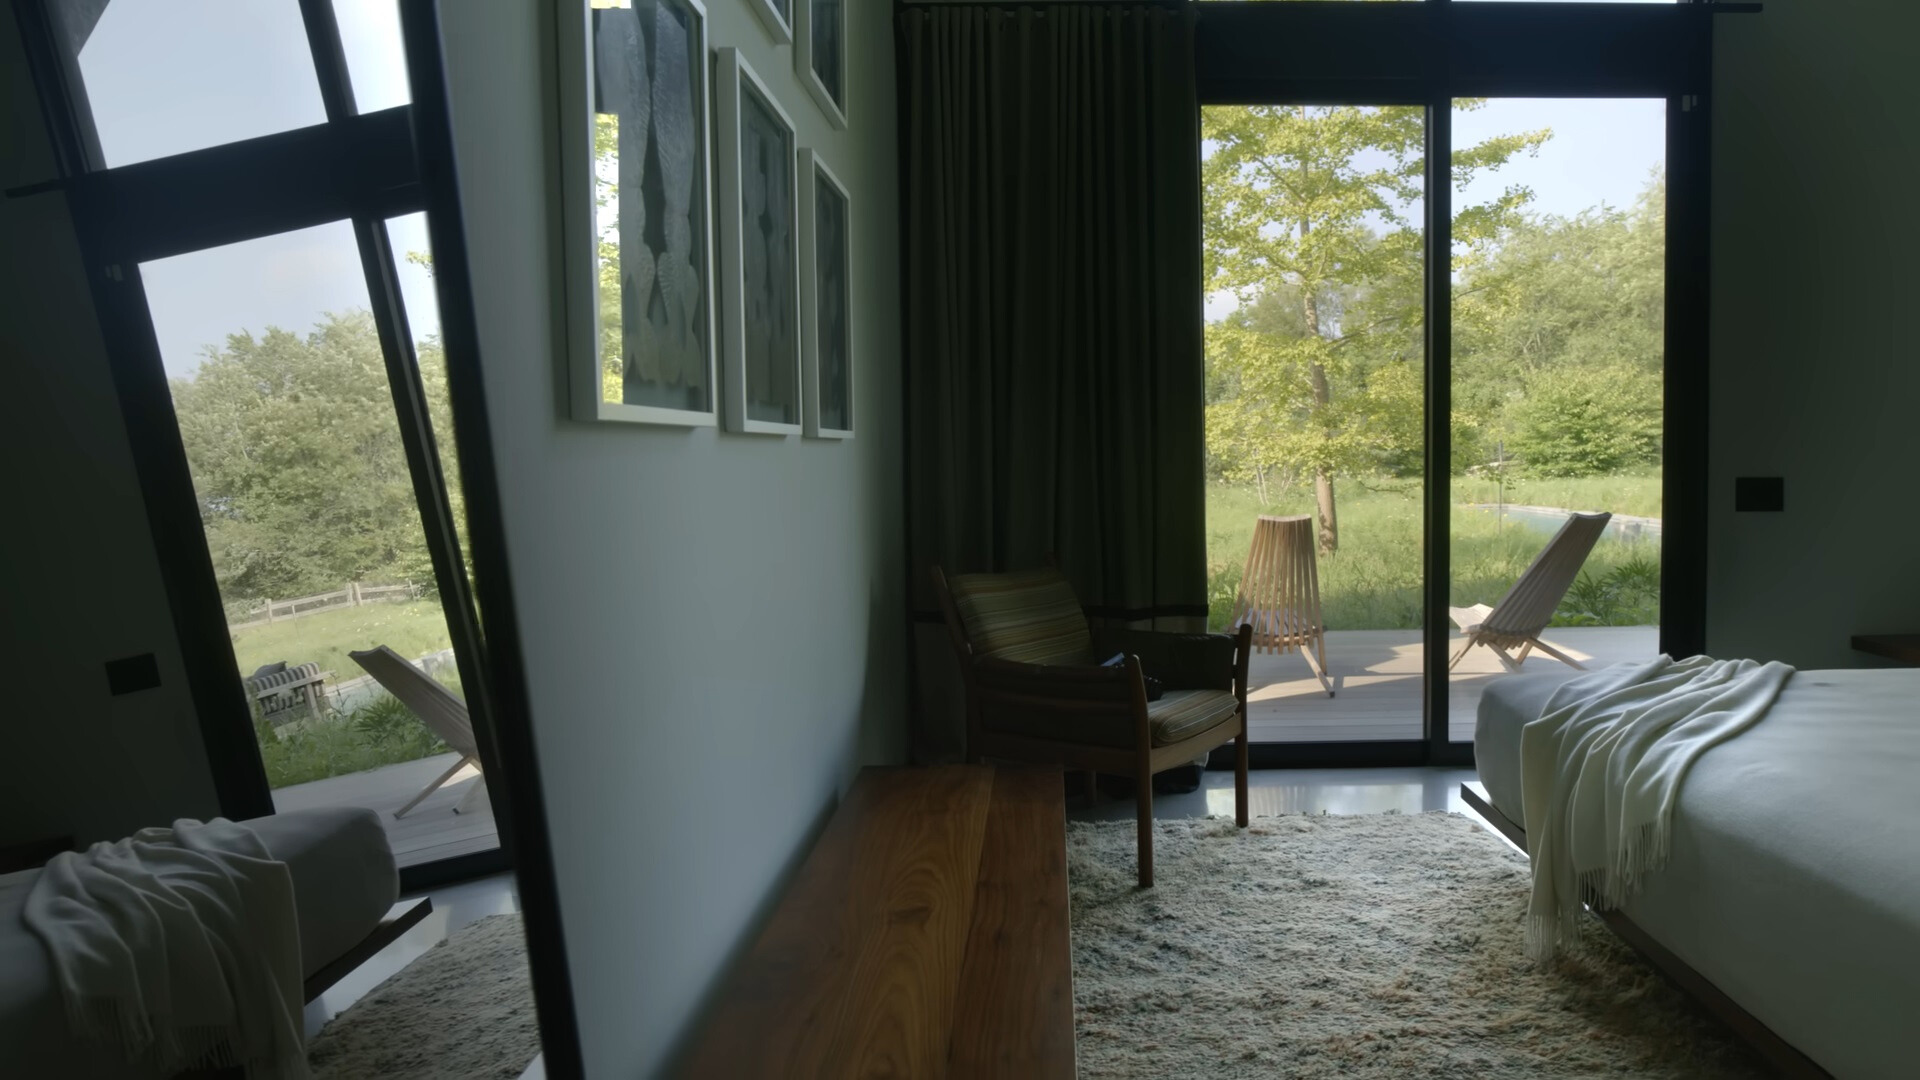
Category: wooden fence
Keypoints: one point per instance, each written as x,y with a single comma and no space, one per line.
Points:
353,595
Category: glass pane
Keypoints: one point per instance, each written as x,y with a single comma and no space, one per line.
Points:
414,254
1316,410
767,260
1558,329
280,390
832,293
376,54
167,76
650,190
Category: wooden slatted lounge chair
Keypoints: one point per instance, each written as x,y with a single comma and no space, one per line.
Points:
1519,618
1280,593
437,707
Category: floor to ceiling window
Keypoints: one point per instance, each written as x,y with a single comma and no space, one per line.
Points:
1559,321
287,344
1314,262
1422,427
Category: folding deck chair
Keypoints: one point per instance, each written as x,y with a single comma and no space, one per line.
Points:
438,707
1519,618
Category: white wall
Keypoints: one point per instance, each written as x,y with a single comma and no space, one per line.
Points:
79,581
714,624
1815,360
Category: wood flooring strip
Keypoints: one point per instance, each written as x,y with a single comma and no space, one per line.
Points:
1015,1017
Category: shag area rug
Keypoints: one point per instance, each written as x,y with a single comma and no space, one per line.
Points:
463,1009
1382,945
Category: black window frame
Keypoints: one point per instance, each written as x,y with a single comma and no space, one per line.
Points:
364,168
1430,53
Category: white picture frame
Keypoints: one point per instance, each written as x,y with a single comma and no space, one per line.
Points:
759,272
676,385
777,17
826,337
820,54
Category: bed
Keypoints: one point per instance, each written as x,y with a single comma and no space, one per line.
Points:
1794,881
345,887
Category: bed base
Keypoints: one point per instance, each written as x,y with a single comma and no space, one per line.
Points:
1779,1053
396,923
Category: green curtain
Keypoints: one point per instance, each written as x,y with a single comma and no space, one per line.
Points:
1053,341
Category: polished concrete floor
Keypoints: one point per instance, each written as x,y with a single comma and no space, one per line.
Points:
1405,790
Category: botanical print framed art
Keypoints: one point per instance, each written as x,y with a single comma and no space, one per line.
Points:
636,212
826,299
759,253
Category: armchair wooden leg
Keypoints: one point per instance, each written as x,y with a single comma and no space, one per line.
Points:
1240,776
1092,781
1143,794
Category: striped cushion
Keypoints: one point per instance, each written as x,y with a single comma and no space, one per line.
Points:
1031,617
1182,714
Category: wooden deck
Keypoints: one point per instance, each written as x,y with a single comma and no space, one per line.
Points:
1375,673
1376,676
430,831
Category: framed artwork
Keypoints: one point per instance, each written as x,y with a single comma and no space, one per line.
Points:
759,253
826,298
636,211
777,15
820,54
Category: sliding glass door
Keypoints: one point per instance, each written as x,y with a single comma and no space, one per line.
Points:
1559,323
1315,424
1428,424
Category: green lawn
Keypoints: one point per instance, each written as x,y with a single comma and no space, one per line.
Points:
1373,581
411,629
379,731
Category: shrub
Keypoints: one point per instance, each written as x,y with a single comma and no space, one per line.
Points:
1580,421
379,732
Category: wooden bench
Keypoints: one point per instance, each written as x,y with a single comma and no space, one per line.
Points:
925,936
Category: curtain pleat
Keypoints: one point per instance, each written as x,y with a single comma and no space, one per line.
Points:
1052,274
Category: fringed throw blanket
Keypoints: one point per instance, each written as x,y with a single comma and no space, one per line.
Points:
178,946
1601,768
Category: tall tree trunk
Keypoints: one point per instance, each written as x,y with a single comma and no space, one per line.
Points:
1322,478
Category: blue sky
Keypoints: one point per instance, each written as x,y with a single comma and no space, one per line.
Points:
243,71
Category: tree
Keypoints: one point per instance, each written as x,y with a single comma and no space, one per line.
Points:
1558,328
297,462
1318,205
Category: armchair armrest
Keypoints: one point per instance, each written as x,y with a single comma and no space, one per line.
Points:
1181,661
1086,704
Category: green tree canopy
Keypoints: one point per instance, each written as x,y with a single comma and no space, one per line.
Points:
1317,208
297,461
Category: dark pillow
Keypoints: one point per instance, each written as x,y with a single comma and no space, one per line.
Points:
1154,687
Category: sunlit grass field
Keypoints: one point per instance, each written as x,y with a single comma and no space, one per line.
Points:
1373,581
411,629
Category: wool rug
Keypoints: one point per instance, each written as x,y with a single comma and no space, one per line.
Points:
1382,945
463,1009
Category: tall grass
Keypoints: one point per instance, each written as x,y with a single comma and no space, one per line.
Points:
1374,581
379,732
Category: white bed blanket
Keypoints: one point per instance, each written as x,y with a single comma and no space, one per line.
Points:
180,947
1601,768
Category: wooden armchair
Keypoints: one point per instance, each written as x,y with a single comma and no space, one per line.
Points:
1037,691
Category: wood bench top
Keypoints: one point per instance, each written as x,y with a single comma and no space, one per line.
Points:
924,936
